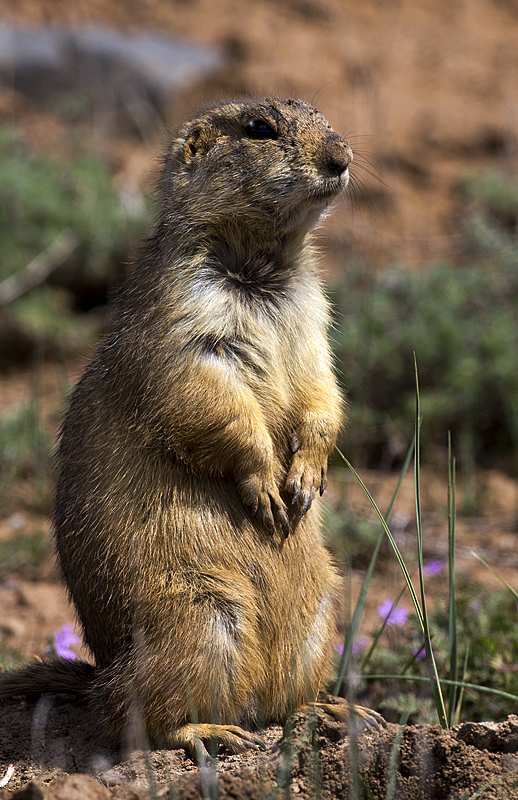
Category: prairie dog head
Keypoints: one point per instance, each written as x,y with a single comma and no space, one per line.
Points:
272,162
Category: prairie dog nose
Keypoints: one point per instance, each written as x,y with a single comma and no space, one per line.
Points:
337,154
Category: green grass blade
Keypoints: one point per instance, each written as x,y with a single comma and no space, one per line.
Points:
430,659
452,617
447,681
354,625
460,698
394,758
391,539
291,750
354,756
420,613
402,474
499,778
495,573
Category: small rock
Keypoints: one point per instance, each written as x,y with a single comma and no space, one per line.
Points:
16,521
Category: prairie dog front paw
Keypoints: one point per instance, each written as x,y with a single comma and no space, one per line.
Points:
260,494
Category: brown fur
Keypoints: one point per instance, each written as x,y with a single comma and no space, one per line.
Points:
198,437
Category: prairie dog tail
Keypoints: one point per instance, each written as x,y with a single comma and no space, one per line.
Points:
53,676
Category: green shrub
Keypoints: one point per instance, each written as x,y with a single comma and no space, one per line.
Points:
41,196
26,450
23,552
495,198
487,634
461,321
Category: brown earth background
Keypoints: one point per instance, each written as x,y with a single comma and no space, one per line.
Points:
427,92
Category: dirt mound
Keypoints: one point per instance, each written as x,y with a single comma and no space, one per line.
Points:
58,753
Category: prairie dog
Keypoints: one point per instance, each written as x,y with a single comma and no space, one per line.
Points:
195,448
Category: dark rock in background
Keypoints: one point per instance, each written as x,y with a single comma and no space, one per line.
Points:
129,78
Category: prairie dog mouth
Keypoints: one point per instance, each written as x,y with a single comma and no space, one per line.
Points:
330,187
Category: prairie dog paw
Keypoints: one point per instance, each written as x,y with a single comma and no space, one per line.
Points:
304,480
363,718
261,496
234,739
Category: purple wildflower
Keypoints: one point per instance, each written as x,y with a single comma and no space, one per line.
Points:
360,644
475,604
357,646
63,641
433,567
392,615
419,652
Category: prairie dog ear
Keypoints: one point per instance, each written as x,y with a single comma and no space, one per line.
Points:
198,141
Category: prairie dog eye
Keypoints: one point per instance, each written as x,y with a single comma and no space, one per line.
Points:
259,129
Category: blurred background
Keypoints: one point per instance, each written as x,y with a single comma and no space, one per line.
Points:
420,256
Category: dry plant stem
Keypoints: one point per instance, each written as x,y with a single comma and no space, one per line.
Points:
39,268
8,775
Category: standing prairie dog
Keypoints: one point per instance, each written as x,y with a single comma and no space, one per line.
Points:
195,447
